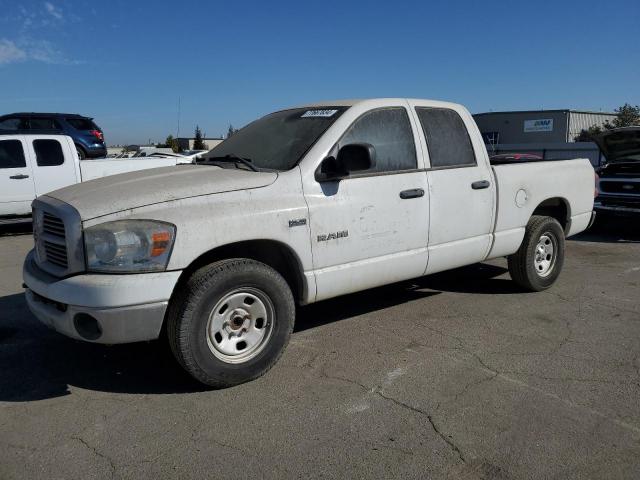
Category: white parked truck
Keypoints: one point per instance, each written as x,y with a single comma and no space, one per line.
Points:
32,165
299,206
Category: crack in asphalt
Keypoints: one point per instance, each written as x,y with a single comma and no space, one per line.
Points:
95,451
377,390
470,385
567,379
446,438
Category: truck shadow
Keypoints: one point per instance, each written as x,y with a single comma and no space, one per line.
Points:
478,278
13,229
612,230
38,363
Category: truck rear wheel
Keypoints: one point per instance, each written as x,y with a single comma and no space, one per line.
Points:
231,322
538,262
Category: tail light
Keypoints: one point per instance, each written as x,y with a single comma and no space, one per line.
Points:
596,191
98,134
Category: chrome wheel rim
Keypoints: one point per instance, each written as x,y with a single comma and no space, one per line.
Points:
240,325
545,254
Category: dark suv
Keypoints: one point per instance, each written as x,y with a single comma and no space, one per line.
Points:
86,135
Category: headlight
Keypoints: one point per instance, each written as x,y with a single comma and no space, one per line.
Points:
129,246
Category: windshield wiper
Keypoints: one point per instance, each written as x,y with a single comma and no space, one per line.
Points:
233,158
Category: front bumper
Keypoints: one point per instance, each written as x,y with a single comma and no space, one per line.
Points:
617,209
617,205
100,308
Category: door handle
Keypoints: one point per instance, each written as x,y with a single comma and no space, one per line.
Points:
413,193
18,177
480,184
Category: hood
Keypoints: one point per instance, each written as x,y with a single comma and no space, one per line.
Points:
620,143
116,193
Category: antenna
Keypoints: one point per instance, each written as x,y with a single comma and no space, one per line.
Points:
178,131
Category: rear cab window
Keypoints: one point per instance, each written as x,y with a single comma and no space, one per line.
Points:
447,138
389,130
12,154
48,153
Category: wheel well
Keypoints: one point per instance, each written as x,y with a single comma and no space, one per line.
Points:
557,208
270,252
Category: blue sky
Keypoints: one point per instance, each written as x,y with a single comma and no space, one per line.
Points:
126,63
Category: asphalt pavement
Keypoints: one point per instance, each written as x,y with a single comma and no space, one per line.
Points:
457,375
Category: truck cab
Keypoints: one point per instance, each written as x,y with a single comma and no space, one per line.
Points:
32,165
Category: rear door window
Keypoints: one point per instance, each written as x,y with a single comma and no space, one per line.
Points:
82,124
447,138
43,123
12,124
389,131
12,154
48,153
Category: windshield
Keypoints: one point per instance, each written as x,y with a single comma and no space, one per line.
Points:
623,145
279,140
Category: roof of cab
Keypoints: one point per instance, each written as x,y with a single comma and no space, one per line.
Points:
44,114
354,101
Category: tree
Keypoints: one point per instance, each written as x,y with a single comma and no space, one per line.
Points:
626,116
587,135
171,143
198,143
231,131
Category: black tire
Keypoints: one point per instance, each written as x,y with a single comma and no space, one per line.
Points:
191,313
81,153
527,268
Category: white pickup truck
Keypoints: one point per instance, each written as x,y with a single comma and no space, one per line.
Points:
32,165
299,206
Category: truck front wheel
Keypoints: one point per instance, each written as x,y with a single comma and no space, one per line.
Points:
538,262
231,321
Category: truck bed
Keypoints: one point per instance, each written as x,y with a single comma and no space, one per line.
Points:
529,185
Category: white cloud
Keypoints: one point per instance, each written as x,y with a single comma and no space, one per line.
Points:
53,11
10,52
44,51
33,50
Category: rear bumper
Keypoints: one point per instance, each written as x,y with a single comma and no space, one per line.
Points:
95,151
100,308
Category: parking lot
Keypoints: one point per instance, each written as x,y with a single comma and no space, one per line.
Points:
457,375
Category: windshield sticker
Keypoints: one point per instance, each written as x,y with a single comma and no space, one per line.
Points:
318,113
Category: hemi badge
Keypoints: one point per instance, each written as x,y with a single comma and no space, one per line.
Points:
298,222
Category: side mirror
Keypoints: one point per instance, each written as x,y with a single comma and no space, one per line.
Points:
354,157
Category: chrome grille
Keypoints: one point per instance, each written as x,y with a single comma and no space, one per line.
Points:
620,187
